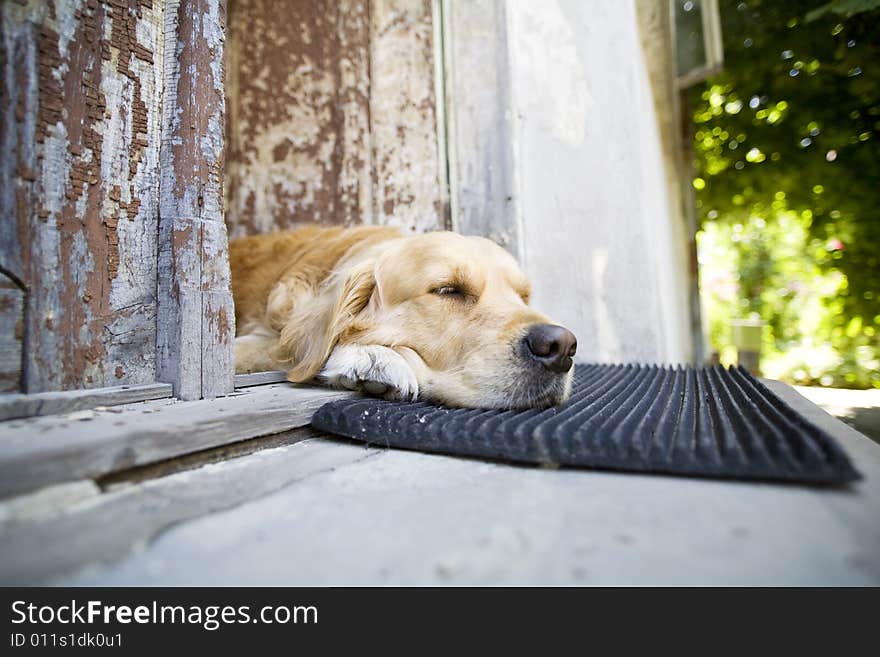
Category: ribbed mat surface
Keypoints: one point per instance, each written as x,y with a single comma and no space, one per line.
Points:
689,421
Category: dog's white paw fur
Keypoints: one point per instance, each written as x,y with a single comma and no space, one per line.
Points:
375,369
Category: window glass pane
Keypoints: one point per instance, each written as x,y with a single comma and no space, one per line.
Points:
689,36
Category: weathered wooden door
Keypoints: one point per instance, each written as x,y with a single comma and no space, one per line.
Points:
112,242
115,146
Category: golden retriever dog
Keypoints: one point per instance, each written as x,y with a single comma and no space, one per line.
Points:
437,316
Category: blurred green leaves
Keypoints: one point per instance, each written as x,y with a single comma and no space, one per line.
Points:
788,186
845,7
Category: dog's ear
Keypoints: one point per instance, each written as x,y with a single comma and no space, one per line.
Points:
316,324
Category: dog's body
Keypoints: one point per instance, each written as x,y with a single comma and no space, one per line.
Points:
437,316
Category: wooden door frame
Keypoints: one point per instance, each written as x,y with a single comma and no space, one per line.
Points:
477,106
196,318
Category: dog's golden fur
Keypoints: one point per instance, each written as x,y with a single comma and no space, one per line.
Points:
435,316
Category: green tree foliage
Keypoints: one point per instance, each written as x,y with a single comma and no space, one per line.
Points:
788,178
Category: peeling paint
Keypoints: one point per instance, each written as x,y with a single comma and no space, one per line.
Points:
331,115
406,164
82,237
287,111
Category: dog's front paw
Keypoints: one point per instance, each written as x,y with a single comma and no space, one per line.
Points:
374,369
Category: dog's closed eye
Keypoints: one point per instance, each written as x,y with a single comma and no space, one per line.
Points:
453,292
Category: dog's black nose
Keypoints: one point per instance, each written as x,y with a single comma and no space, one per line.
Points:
552,346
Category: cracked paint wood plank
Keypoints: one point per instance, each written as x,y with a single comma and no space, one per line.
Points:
403,114
332,115
299,114
78,186
196,318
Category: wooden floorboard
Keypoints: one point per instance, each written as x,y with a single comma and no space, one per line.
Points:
102,529
40,451
51,403
259,378
326,513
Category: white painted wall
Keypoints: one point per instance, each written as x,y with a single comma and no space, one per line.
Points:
598,230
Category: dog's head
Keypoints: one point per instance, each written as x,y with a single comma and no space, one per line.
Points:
456,308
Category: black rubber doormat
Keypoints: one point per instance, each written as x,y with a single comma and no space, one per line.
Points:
708,422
